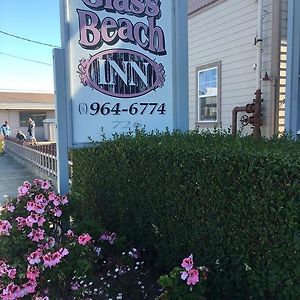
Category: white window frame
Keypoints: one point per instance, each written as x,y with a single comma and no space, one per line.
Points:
206,67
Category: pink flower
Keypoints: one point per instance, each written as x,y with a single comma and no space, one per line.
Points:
56,201
192,276
57,212
35,218
52,196
32,272
110,237
21,222
27,184
35,257
9,293
64,200
47,258
184,275
51,260
10,207
70,234
21,293
84,239
60,200
39,208
30,206
28,222
41,220
63,252
11,273
38,182
36,235
32,218
40,199
23,190
5,227
187,263
46,185
30,286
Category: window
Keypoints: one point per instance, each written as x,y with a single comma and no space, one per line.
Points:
208,93
37,116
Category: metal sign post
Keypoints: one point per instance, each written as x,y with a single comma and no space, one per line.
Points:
292,104
61,113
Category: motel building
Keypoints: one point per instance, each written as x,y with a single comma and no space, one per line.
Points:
17,107
230,41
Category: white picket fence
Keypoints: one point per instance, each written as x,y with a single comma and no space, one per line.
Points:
41,159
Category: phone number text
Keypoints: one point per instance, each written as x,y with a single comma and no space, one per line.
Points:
108,108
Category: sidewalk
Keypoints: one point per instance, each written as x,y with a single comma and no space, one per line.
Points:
12,175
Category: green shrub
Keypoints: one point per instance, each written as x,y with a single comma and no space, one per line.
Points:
233,202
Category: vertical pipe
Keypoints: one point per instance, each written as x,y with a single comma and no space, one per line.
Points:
234,118
259,40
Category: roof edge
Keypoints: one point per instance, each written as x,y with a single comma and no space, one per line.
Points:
196,6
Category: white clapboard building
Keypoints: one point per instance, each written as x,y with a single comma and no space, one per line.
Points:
223,62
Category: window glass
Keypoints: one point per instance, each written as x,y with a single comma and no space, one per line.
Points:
207,95
37,116
208,109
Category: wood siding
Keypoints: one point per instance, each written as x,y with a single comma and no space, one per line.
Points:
226,33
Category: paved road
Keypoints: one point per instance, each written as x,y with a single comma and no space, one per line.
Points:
12,175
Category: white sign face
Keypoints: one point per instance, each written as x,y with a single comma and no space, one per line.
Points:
120,66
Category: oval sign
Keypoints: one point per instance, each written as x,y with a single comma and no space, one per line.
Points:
121,73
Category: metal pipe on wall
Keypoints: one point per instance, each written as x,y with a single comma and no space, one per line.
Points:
234,118
255,107
258,41
258,100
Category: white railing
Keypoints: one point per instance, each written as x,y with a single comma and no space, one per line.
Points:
40,157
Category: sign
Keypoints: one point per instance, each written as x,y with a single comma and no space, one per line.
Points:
125,65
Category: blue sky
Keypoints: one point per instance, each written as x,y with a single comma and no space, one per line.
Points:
35,20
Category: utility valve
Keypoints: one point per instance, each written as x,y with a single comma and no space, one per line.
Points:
244,120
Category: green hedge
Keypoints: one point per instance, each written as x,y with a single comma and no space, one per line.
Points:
232,202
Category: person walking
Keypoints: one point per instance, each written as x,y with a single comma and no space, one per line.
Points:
5,129
4,134
31,131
